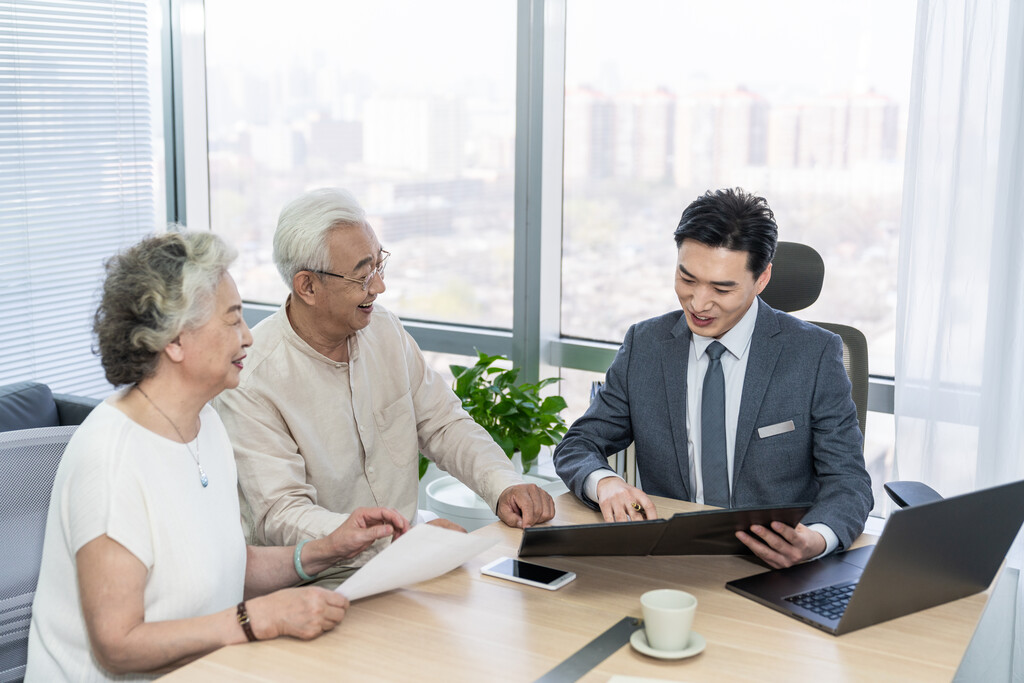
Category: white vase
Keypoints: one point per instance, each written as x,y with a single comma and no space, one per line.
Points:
449,498
535,466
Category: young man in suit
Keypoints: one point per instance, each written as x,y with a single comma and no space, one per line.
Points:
784,432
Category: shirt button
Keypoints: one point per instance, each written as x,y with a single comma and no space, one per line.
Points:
369,469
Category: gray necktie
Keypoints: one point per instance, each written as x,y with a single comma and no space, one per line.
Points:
714,469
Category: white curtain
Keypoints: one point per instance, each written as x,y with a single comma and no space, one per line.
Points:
960,317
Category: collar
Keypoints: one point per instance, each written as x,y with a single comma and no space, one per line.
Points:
293,338
736,340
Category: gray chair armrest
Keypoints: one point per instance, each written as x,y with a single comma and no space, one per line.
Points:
27,405
907,493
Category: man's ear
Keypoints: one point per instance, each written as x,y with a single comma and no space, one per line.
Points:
305,285
762,281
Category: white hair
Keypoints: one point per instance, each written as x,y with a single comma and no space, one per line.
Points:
305,223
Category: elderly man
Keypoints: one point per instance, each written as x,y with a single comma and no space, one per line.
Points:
336,400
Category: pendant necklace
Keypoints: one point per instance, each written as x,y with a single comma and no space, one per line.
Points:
195,456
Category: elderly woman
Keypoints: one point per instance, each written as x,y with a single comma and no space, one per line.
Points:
144,563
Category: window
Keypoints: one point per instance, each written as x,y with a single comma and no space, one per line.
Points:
698,96
80,163
409,105
421,123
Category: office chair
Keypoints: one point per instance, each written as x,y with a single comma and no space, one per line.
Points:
27,405
798,272
28,464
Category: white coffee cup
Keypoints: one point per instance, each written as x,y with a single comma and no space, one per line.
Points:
668,618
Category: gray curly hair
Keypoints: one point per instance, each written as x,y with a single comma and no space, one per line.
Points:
153,292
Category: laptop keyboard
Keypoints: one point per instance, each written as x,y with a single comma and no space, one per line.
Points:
829,602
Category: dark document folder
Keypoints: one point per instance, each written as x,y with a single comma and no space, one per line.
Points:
707,532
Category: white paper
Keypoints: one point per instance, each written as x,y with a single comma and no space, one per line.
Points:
423,552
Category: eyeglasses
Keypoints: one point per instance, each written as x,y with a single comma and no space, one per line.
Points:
363,282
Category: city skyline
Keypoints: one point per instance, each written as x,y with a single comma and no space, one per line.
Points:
428,145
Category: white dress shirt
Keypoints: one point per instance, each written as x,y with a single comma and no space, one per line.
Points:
734,367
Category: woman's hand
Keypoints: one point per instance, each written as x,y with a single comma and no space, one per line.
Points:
112,582
268,569
298,612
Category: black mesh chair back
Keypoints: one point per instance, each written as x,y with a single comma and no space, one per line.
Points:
28,464
855,360
798,273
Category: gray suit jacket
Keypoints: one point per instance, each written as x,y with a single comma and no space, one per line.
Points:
794,372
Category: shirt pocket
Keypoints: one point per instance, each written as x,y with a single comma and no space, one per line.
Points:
396,424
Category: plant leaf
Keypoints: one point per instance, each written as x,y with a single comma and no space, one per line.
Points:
515,415
553,405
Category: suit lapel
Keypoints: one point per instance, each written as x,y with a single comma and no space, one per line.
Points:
764,353
674,358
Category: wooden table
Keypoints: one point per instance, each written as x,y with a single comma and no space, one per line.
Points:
466,627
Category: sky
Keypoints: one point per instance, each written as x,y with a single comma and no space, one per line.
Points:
776,47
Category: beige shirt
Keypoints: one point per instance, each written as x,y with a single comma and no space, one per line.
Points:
315,438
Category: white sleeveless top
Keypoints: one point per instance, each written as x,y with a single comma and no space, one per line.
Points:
143,491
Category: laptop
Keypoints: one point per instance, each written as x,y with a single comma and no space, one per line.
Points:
927,555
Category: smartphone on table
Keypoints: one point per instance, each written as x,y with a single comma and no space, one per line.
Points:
527,572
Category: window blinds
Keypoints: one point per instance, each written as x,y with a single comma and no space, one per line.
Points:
78,175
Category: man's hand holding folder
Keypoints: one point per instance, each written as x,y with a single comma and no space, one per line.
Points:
621,502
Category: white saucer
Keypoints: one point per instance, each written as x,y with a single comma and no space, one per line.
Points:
639,642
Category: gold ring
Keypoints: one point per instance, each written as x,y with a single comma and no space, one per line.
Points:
638,507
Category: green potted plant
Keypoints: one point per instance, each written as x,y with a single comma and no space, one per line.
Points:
515,415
